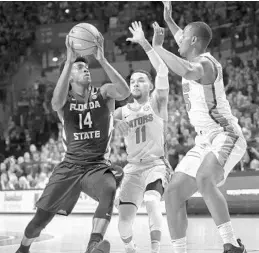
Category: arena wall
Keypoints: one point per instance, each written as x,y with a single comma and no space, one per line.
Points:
241,191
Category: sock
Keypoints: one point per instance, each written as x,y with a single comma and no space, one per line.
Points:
227,234
179,245
95,237
24,249
130,245
155,246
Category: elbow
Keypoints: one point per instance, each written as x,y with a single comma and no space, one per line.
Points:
55,105
162,69
125,92
124,95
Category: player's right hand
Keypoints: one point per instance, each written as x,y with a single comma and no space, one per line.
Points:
123,127
71,53
167,10
159,35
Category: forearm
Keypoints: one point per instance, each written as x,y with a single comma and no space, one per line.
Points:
154,58
175,30
61,89
119,82
173,27
178,65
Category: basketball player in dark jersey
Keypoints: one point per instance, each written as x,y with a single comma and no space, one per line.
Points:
86,115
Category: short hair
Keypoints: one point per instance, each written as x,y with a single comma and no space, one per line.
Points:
144,72
78,59
202,31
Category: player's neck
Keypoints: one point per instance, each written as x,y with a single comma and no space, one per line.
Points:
140,101
194,54
81,91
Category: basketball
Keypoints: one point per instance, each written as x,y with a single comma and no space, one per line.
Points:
83,35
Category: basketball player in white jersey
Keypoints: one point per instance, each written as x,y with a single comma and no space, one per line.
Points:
143,123
220,144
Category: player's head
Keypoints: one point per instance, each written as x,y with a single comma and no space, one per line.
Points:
141,84
196,35
80,74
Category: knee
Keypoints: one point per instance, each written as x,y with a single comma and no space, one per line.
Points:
173,196
125,223
171,191
109,190
204,182
38,223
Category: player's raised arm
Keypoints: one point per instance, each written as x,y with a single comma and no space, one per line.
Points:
161,82
118,89
181,67
61,90
174,28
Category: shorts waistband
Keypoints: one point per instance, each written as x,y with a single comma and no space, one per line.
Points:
146,160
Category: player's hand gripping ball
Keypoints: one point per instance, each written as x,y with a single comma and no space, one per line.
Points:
82,37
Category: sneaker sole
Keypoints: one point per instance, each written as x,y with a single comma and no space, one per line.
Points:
103,247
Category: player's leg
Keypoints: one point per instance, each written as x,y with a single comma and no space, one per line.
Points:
130,198
40,220
152,197
181,187
227,151
53,199
179,190
100,185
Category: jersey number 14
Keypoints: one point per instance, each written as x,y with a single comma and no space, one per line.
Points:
87,121
141,134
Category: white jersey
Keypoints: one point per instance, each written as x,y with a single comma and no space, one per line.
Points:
145,141
207,105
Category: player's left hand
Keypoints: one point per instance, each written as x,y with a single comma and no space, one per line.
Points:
99,54
137,32
159,35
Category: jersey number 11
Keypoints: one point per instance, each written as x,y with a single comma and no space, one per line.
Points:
140,134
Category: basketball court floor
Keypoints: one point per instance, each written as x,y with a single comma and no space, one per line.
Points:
71,234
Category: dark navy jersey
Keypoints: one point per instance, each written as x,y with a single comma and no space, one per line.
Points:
87,128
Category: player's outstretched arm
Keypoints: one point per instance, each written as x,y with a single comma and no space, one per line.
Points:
161,83
174,28
61,90
118,89
181,67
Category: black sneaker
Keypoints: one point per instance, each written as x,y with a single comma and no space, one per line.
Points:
229,248
99,247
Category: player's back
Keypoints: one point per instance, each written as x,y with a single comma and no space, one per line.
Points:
207,105
145,141
87,128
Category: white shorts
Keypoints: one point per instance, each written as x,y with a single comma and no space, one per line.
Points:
229,149
138,176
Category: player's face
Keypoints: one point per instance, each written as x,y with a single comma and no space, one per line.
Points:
139,85
186,41
80,73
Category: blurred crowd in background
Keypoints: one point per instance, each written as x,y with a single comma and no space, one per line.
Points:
31,145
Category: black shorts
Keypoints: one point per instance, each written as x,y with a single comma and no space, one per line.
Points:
68,180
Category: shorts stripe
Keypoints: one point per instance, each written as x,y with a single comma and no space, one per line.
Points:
194,156
212,104
225,154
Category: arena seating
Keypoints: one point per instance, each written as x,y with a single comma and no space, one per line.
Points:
31,145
